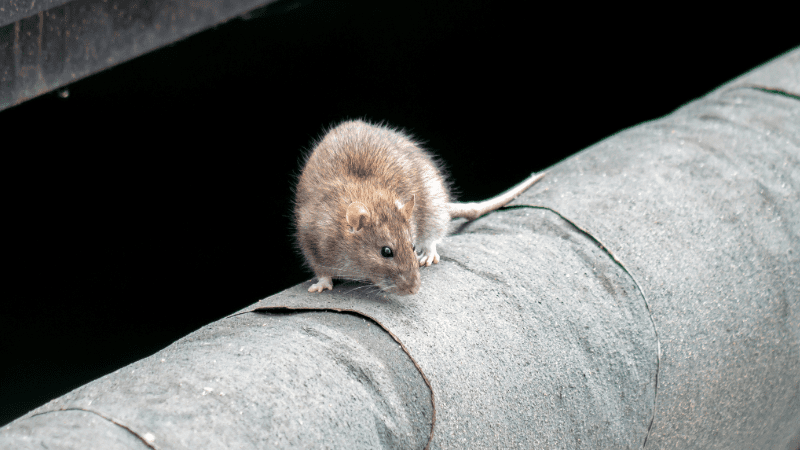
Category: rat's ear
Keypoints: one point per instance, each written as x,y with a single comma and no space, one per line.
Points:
357,215
407,208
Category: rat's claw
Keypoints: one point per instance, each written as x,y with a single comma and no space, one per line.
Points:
428,259
321,285
429,256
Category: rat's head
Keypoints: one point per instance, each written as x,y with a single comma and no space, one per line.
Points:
385,249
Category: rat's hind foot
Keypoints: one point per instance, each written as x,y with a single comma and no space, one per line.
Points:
428,256
322,284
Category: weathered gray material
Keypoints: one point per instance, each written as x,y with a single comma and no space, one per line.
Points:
540,327
248,382
703,208
14,10
47,44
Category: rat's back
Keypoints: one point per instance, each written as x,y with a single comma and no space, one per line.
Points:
357,152
356,155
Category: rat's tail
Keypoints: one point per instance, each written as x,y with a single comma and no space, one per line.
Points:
472,211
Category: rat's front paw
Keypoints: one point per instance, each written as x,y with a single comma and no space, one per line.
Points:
322,284
429,256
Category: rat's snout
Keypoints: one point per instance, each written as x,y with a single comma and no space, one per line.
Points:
407,291
408,283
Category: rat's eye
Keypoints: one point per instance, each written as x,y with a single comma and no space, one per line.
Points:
386,252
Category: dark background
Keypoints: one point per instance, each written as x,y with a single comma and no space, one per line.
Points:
156,197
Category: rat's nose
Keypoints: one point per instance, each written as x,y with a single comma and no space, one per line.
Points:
408,285
408,289
413,286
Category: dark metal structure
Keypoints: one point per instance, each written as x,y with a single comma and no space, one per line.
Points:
47,44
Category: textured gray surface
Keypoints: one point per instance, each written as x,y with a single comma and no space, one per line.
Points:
530,332
73,429
299,380
13,10
782,73
703,208
47,44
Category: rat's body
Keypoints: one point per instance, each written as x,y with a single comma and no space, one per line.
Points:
367,197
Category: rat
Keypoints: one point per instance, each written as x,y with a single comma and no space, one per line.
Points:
371,205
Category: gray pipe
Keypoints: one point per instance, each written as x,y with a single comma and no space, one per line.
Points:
646,293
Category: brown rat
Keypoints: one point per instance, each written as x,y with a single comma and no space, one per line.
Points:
368,200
